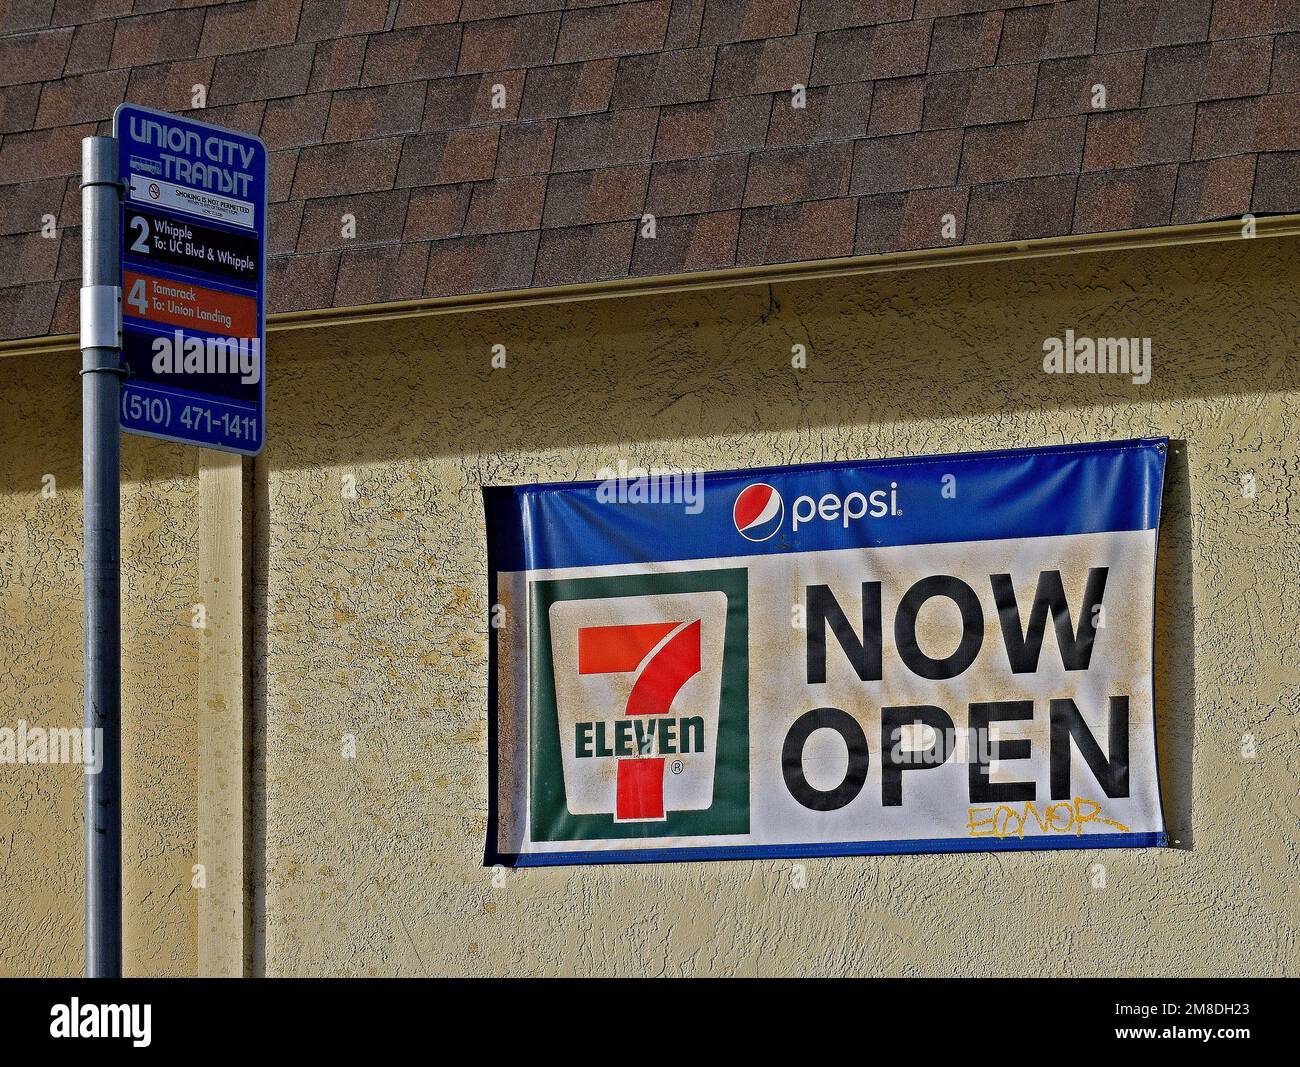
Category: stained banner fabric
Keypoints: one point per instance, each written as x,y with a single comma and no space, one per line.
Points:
936,654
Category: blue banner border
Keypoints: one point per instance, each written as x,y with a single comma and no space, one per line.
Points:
495,497
925,846
1053,491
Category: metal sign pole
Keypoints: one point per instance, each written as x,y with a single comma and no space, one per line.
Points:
101,369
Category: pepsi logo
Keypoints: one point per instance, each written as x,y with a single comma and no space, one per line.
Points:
758,512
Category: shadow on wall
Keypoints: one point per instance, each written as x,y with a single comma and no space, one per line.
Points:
1175,659
945,343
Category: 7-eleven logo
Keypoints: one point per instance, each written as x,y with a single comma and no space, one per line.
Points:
639,706
661,657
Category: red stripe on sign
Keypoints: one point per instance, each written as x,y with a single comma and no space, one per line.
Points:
640,789
615,649
673,666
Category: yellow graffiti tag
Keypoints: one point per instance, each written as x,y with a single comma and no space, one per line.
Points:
1063,817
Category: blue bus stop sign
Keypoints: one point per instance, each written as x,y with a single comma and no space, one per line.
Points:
193,280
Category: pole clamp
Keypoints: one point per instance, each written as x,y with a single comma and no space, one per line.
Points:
101,316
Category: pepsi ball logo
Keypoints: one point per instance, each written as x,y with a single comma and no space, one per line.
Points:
758,512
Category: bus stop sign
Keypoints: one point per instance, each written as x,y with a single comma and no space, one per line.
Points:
193,280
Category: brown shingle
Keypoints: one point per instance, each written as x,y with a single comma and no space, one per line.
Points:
33,256
1125,199
377,111
480,264
690,186
1286,64
381,274
1214,189
156,37
613,30
880,217
928,214
425,12
354,167
1048,32
337,64
1191,72
242,27
506,205
980,97
451,156
897,106
29,156
264,75
762,66
295,121
22,207
90,51
26,310
495,9
280,169
1069,86
590,141
526,148
569,89
1277,182
1020,210
586,197
377,218
470,99
909,161
328,19
88,98
1123,24
522,41
1245,18
687,243
726,21
893,222
819,229
662,78
410,55
299,283
1133,138
684,20
829,113
712,128
34,57
170,86
1231,127
282,224
436,211
887,51
1022,150
965,41
787,175
584,254
817,15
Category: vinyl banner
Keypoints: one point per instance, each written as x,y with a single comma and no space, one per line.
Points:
943,654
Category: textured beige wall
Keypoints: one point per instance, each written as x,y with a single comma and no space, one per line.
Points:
376,614
41,884
369,618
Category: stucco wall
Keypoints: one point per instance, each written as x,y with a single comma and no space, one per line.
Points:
41,873
376,614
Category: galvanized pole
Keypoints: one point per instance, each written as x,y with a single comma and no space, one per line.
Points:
101,362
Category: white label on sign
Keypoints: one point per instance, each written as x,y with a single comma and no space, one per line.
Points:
146,190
